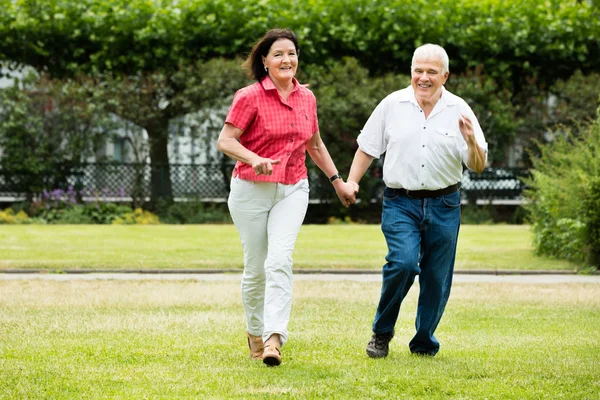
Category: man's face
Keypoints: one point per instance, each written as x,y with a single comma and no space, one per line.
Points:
427,79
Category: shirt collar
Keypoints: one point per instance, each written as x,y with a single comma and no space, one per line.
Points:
268,84
447,98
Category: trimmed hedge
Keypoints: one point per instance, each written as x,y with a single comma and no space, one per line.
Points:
543,38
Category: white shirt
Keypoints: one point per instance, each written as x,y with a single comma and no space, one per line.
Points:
421,154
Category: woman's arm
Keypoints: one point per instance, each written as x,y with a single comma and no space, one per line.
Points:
319,154
229,144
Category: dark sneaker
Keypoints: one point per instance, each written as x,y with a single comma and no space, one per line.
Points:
378,346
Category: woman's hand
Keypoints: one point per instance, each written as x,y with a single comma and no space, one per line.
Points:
346,192
263,166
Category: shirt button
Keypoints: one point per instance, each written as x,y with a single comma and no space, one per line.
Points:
423,145
424,127
291,140
423,166
292,125
289,154
422,184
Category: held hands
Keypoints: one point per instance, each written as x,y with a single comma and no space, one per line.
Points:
346,191
264,166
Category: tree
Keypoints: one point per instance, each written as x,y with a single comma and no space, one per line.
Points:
525,45
47,129
153,100
493,108
346,97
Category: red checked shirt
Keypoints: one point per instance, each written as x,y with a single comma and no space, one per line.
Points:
275,129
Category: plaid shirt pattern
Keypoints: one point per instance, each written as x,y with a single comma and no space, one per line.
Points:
275,129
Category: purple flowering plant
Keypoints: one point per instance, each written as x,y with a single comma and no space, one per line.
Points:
80,206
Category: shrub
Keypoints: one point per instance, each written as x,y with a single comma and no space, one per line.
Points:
195,212
9,216
63,207
565,196
138,216
340,221
591,205
477,215
76,215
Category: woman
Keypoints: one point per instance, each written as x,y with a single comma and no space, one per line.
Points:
268,130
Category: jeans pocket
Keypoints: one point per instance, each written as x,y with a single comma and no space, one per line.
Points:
390,194
452,200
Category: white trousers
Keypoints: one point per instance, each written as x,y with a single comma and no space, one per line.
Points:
268,217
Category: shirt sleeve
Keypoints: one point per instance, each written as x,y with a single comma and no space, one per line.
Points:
242,111
479,137
372,138
315,127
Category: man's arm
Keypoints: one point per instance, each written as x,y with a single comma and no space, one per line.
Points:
360,164
477,156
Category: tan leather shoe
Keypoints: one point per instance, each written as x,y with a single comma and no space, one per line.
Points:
271,355
256,346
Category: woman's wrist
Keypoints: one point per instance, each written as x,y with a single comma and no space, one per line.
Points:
335,177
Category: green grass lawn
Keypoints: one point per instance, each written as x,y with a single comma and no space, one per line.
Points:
184,339
59,247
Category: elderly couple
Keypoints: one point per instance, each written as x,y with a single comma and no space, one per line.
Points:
427,133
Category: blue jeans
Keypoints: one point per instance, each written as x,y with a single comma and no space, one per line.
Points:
421,236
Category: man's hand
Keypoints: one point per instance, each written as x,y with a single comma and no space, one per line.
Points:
477,156
346,192
466,128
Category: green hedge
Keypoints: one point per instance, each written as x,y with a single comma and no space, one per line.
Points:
565,197
544,38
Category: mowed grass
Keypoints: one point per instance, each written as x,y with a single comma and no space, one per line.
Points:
59,247
184,339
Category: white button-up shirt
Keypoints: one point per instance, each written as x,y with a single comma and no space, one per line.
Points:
421,154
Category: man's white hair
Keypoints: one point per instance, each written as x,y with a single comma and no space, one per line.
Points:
431,52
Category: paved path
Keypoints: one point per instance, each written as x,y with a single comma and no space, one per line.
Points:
548,279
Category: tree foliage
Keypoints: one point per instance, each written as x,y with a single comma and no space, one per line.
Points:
152,56
154,100
512,39
577,99
493,108
346,97
47,129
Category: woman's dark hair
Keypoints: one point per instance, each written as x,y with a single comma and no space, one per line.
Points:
253,65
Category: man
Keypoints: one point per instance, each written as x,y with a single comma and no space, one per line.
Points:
427,134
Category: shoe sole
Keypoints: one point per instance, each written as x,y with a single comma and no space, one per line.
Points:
271,361
376,355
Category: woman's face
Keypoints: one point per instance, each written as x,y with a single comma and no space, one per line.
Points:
282,60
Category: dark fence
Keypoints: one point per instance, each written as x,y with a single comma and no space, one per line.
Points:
495,185
210,182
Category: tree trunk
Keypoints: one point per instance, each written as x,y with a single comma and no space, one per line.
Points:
161,189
